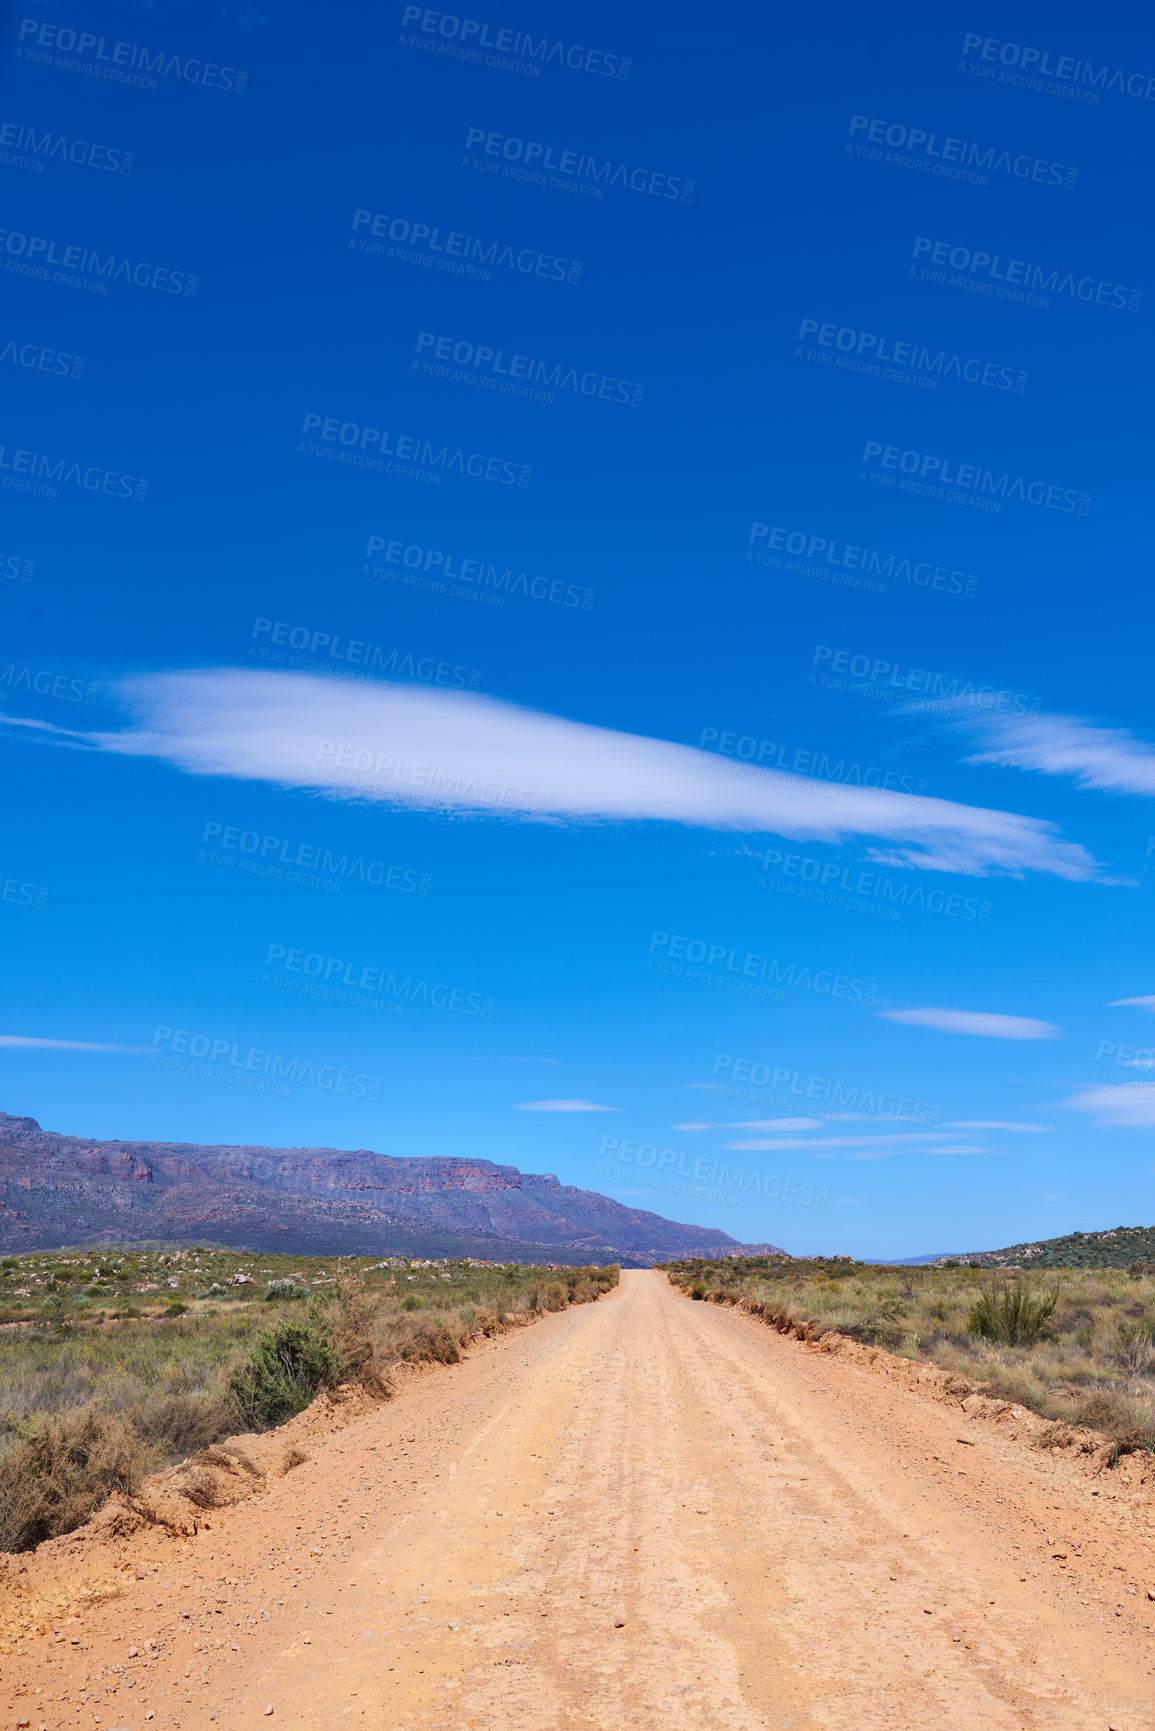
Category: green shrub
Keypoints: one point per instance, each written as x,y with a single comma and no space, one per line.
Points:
1010,1312
290,1361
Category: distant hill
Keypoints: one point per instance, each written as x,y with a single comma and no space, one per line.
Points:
1114,1249
71,1190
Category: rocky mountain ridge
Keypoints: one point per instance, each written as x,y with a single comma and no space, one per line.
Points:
60,1189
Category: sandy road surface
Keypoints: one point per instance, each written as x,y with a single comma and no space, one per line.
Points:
641,1513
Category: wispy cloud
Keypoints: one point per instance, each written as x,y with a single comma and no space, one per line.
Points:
984,1022
458,751
990,1124
1118,1108
23,1042
1132,1003
512,1058
1100,757
759,1124
861,1147
562,1106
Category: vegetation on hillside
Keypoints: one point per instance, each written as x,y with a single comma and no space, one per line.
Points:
114,1363
1077,1347
1117,1248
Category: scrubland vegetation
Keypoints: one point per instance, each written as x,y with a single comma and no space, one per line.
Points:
1076,1345
114,1363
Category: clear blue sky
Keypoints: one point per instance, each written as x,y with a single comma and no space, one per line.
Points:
822,487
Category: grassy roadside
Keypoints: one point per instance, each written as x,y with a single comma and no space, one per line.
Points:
1077,1346
114,1364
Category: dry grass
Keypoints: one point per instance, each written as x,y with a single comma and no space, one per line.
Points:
89,1404
1087,1359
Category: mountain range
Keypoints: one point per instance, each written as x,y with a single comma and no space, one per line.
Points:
68,1190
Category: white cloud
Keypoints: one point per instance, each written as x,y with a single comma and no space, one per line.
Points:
511,1058
990,1124
562,1106
782,1124
763,1124
992,1026
862,1147
1118,1108
1138,1003
1100,757
25,1041
458,751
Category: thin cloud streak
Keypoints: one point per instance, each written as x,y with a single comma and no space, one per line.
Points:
26,1042
985,1023
855,1147
562,1106
461,752
1107,758
990,1124
1116,1108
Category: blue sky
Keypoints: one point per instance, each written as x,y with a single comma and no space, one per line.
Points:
652,687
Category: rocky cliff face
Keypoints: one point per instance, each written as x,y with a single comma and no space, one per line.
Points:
57,1189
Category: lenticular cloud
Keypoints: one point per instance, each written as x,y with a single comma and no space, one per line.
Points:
460,752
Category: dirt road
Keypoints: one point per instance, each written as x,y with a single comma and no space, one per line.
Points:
647,1512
